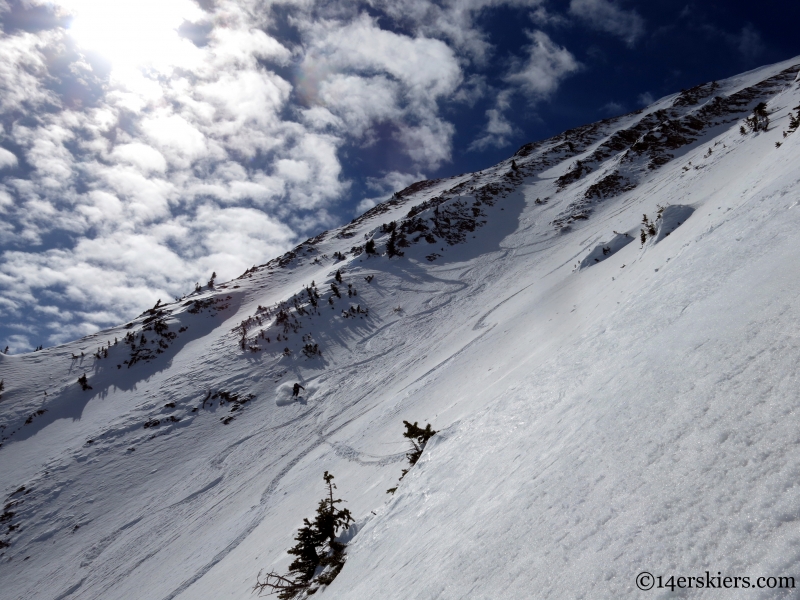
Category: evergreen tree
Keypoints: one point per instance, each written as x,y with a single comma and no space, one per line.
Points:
305,565
338,276
330,519
369,248
759,120
84,383
316,549
419,438
391,245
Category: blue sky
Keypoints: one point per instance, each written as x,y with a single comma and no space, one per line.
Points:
146,143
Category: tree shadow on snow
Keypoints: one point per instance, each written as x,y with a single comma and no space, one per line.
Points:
104,374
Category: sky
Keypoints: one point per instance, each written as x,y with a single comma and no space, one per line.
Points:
146,144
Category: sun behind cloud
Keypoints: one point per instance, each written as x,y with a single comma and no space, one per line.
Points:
133,33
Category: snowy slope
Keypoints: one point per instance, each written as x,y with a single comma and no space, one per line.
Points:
604,407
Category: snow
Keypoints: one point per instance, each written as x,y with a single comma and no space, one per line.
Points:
670,219
593,423
605,250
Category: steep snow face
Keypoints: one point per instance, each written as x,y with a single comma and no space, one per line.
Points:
596,418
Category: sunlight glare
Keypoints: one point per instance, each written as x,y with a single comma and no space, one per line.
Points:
134,33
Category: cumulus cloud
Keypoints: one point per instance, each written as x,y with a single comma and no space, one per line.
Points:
154,182
607,16
385,186
646,99
544,18
749,43
499,129
364,76
145,158
612,108
536,77
545,67
7,159
455,21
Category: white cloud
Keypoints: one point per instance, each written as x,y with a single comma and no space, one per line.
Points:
471,90
368,203
645,99
181,141
749,43
385,186
23,71
428,145
427,67
455,21
546,66
361,102
499,129
394,181
363,76
605,15
612,108
146,158
536,77
7,159
544,18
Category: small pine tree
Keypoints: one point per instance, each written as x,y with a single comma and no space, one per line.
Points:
84,383
758,121
316,548
419,438
338,276
369,248
391,245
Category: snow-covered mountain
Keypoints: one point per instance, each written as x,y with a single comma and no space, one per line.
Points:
612,395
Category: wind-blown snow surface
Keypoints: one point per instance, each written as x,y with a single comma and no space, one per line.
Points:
595,421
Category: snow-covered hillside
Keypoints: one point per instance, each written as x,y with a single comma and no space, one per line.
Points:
605,406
